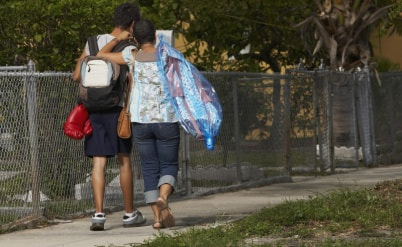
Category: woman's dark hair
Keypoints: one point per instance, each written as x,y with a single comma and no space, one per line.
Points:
125,14
144,31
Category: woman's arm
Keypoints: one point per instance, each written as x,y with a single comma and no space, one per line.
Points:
106,51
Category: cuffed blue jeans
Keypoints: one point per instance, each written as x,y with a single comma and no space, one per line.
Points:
158,146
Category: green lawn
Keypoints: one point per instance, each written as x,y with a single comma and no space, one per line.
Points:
368,217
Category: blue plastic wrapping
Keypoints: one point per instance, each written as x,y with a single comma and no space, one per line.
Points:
193,97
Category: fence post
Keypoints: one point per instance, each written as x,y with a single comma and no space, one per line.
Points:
318,115
365,119
330,117
355,123
317,125
186,175
236,128
287,126
371,117
33,136
324,117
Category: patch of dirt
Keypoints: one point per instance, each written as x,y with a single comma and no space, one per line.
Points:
390,189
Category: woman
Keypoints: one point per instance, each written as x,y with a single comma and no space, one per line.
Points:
155,127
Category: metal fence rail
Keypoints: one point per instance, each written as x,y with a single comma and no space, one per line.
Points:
274,126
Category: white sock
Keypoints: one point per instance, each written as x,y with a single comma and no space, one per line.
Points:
131,214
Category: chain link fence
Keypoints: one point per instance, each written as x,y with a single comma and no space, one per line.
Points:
338,115
325,102
387,111
274,126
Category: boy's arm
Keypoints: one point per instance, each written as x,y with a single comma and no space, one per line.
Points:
77,70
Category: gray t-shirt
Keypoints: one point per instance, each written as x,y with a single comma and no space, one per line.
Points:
103,39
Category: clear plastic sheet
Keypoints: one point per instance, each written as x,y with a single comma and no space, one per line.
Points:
193,97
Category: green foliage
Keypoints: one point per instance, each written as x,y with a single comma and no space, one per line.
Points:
394,23
11,187
217,236
336,212
385,65
67,208
161,12
59,180
51,32
359,243
217,31
265,26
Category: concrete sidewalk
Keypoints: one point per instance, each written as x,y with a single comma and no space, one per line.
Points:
212,209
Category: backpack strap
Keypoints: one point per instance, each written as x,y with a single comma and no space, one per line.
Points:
128,88
124,70
121,45
93,45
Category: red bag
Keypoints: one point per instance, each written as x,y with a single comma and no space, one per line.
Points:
87,128
77,124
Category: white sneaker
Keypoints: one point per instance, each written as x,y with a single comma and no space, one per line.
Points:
136,219
98,222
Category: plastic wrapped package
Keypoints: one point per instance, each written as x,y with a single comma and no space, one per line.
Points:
194,99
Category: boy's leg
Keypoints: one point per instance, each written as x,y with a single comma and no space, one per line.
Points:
126,181
132,217
98,186
98,182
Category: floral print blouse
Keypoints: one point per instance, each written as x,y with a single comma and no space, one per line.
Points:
148,103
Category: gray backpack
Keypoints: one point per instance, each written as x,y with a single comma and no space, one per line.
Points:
102,81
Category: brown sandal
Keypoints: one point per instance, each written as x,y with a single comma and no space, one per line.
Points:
166,213
158,225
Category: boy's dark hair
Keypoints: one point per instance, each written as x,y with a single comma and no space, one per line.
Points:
125,14
144,31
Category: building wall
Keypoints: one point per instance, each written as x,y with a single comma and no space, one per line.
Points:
389,47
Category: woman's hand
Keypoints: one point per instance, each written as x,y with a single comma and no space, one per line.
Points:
124,35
